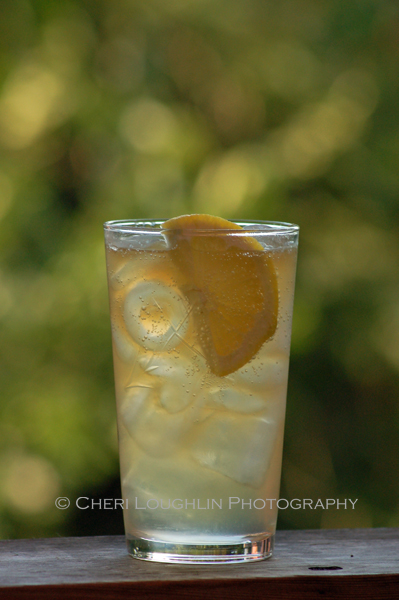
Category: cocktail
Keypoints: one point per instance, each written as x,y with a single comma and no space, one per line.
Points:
201,312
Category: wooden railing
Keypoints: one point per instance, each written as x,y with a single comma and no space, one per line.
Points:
324,564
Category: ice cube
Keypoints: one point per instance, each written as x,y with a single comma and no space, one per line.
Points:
125,348
163,478
178,377
238,447
123,276
263,370
166,364
131,240
146,241
184,497
236,399
156,316
155,430
176,364
175,398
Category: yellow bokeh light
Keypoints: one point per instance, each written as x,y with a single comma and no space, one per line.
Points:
306,146
225,183
31,97
30,483
148,125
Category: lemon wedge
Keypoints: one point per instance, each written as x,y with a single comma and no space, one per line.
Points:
231,285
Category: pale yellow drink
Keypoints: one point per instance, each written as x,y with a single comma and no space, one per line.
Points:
200,452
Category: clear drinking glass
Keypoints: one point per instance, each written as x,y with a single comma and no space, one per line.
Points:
200,433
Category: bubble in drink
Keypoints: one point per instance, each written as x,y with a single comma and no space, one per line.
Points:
237,400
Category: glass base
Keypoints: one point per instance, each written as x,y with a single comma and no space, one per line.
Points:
206,554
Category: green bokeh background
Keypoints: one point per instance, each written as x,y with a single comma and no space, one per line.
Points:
250,109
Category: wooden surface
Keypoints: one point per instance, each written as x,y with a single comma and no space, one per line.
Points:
357,563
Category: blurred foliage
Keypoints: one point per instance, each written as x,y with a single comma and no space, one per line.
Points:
249,109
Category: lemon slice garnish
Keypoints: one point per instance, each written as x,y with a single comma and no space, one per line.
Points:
231,285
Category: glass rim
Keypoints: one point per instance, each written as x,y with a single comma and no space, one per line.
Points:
153,226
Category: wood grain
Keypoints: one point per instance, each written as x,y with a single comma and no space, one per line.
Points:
361,564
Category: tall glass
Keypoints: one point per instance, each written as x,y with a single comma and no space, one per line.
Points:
200,444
